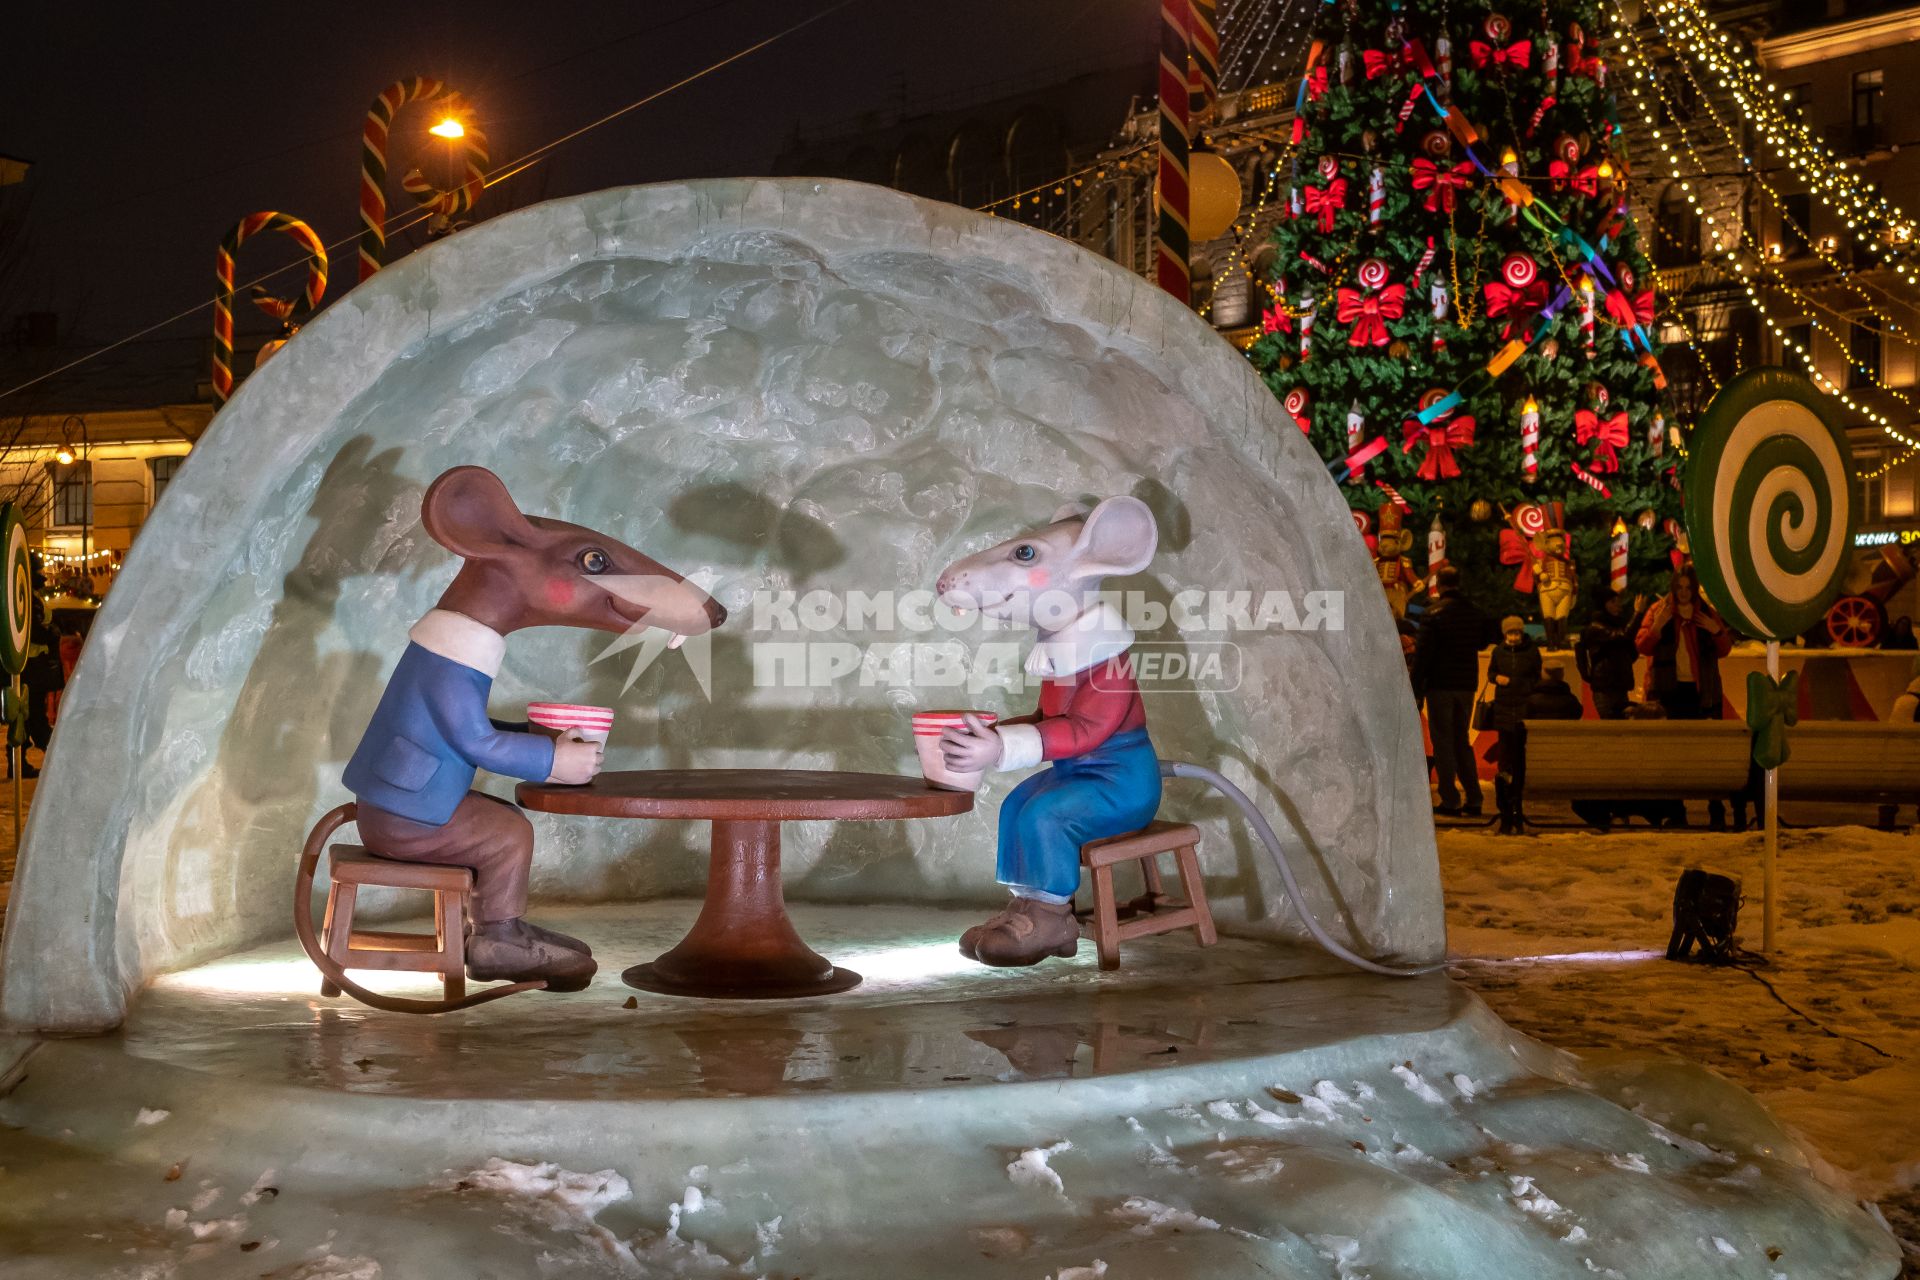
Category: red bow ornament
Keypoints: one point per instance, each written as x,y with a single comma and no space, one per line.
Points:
1628,311
1578,64
1440,184
1441,440
1515,549
1516,304
1586,181
1276,320
1316,83
1519,54
1369,312
1326,202
1609,437
1380,64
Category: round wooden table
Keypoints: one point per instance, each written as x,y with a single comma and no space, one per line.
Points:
744,946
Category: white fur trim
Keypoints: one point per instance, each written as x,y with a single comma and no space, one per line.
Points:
1089,640
458,638
1020,747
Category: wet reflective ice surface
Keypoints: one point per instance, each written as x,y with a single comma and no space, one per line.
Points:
924,1016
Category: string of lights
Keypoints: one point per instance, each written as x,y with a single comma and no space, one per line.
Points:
1640,67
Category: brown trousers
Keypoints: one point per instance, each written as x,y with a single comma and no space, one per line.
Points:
490,836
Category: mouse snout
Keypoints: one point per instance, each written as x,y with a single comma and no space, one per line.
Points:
944,583
716,612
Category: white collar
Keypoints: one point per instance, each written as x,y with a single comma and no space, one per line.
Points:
458,638
1092,638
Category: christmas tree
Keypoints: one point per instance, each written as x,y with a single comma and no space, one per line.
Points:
1461,315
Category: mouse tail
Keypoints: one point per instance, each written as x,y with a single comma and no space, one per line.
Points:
317,839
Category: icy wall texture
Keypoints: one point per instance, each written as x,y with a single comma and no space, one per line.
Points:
779,385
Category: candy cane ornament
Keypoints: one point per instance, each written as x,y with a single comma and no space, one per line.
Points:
1437,294
282,309
1617,562
1376,196
373,165
1306,325
1356,426
1590,480
1657,434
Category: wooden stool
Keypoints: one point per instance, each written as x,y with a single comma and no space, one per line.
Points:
444,951
1144,846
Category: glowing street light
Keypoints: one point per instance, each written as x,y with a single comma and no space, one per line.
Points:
449,128
63,455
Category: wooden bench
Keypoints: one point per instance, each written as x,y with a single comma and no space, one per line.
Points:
1636,759
1842,760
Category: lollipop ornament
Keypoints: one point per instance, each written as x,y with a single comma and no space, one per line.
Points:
1770,513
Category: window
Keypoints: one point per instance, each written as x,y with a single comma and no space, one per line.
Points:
1796,100
1679,228
72,494
1863,352
162,470
1796,218
1799,337
1868,126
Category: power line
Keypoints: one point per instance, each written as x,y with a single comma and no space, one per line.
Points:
501,174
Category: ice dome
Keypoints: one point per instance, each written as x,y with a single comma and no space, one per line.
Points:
772,385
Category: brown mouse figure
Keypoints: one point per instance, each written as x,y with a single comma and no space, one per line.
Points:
412,774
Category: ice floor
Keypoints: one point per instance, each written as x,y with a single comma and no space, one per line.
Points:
1241,1111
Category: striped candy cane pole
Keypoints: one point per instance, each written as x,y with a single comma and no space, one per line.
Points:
1657,434
1618,562
1590,480
1203,68
1306,325
1172,269
1356,425
1376,196
1530,440
279,308
1406,108
1437,293
474,157
373,165
1436,549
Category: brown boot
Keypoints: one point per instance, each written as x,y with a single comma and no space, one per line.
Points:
970,940
508,951
1031,931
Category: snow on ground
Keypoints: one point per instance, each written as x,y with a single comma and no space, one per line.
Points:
1564,934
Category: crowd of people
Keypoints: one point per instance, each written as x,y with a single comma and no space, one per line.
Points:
1678,632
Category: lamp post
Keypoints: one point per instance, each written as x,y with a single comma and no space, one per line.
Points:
64,456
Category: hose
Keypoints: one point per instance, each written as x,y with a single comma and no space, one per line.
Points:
1264,829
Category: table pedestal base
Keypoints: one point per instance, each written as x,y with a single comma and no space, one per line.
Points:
743,946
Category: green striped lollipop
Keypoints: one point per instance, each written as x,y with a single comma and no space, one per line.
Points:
1770,504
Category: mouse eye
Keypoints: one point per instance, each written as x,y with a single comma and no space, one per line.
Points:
1024,553
594,560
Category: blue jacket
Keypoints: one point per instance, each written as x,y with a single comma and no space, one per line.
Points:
430,734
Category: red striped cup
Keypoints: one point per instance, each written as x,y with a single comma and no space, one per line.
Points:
591,723
927,728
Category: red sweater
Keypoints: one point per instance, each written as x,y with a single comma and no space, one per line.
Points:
1081,711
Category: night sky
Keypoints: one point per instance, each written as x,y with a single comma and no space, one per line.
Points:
153,128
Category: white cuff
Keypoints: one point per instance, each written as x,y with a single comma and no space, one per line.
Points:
1020,747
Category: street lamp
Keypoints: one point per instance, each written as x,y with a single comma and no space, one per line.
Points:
65,457
449,128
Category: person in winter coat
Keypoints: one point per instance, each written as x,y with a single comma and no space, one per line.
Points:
1554,699
1514,672
1446,671
1686,640
1606,655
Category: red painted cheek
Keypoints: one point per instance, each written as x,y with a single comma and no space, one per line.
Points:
559,592
1038,578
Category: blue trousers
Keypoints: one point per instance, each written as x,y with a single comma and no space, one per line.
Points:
1109,791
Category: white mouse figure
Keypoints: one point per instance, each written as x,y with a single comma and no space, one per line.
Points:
1091,724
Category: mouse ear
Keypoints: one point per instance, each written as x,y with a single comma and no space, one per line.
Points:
469,512
1118,538
1071,511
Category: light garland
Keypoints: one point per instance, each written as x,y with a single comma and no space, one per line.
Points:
1860,206
1629,44
50,557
